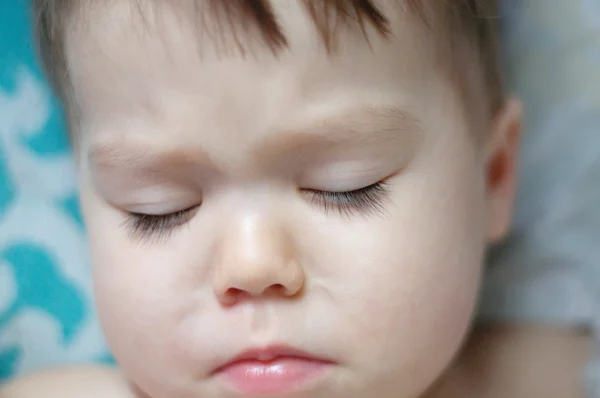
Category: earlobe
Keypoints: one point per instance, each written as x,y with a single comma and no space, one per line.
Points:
501,168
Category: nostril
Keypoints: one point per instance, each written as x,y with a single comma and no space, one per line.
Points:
278,287
232,295
233,292
283,290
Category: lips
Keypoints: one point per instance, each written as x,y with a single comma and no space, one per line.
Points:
272,371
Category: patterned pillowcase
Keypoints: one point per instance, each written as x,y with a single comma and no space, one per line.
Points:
46,314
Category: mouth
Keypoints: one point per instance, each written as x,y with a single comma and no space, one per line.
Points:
272,371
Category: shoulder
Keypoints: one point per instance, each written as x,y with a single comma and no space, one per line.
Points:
73,382
519,361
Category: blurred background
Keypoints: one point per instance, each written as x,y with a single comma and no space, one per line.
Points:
548,270
46,309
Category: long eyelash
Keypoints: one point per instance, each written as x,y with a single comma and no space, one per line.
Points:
368,200
158,226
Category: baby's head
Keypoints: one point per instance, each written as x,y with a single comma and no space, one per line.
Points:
311,185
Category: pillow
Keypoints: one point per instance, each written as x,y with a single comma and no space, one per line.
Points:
46,314
549,269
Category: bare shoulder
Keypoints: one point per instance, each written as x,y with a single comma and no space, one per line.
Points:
519,361
72,382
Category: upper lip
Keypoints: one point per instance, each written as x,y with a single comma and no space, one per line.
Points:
270,353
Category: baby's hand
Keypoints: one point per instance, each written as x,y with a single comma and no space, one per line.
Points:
75,382
518,362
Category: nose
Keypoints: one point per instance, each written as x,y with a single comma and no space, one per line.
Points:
256,258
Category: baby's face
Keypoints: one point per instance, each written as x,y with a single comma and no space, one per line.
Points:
324,210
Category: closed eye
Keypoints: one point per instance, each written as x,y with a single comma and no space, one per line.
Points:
366,201
144,226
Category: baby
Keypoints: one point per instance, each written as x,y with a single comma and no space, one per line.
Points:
285,198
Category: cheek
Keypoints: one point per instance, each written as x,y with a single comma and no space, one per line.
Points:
407,283
140,290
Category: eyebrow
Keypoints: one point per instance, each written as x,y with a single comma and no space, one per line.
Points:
126,153
362,126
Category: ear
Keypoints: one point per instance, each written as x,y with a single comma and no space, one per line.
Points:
501,168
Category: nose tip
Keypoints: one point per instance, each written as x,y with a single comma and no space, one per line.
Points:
256,258
282,281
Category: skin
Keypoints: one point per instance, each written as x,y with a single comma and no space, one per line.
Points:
70,382
519,361
386,291
499,361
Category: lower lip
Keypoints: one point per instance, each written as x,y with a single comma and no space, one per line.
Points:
280,376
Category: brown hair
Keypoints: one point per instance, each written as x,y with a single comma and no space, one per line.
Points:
467,26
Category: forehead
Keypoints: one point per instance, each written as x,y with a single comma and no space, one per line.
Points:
244,25
156,65
252,20
122,35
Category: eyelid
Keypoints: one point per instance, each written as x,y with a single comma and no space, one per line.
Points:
348,176
354,183
368,200
142,225
160,208
343,191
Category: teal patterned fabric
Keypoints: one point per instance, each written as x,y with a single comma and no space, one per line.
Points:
46,314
